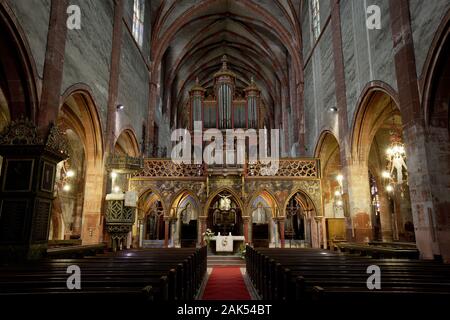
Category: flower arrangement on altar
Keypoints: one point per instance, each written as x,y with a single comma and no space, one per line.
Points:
207,236
242,250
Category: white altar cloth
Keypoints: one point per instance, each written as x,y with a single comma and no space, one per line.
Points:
225,243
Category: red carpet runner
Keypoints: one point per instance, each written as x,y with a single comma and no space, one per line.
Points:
226,283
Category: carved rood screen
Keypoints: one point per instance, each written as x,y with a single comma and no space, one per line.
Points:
291,168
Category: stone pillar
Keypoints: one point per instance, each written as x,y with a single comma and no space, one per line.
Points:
420,190
281,224
114,76
151,115
141,233
385,215
54,65
246,233
414,133
202,229
357,180
92,224
166,231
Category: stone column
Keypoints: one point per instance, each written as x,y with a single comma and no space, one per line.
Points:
166,231
151,140
54,65
246,234
202,229
414,133
357,180
281,224
385,215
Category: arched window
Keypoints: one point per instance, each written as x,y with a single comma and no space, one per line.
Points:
138,21
315,20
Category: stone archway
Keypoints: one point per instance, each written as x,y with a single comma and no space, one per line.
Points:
185,219
335,202
224,214
79,119
127,144
377,121
149,206
328,151
18,77
300,227
263,210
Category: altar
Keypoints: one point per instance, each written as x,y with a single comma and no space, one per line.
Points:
224,243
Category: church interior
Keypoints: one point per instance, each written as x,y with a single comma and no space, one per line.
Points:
348,100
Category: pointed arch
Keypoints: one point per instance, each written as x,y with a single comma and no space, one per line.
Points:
127,142
268,197
307,199
377,103
179,196
217,192
78,108
433,61
18,76
78,117
146,195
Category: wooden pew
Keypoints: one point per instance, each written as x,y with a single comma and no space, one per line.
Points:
286,274
154,274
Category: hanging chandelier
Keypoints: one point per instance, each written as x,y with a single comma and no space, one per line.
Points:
396,160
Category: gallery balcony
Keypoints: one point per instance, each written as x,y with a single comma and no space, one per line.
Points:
124,164
307,168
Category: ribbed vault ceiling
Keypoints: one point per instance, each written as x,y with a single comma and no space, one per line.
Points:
261,38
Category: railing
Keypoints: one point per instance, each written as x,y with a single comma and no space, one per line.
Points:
302,168
289,168
167,168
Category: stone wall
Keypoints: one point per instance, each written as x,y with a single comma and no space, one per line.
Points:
33,17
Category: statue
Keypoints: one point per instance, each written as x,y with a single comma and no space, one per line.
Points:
259,214
225,203
186,214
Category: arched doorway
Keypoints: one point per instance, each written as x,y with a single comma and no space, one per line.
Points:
264,227
299,223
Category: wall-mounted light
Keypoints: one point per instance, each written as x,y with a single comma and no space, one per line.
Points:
113,174
389,188
333,109
67,187
120,107
385,175
116,189
339,178
70,173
